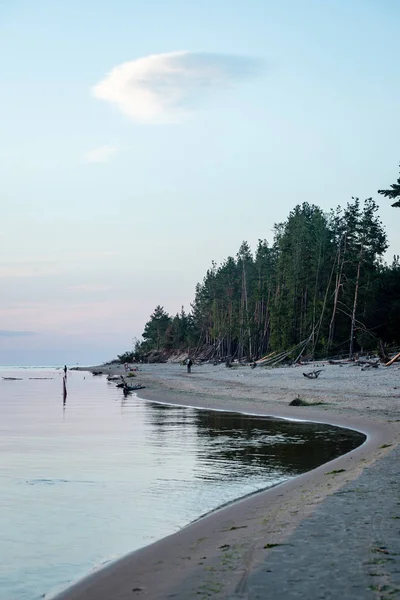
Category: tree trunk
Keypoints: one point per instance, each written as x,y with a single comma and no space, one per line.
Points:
247,311
340,262
353,314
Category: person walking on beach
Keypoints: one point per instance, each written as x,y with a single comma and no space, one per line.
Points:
65,369
189,365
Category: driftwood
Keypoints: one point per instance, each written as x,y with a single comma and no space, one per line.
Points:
298,402
383,355
12,378
368,364
129,388
97,372
392,360
371,363
274,359
266,357
313,374
132,388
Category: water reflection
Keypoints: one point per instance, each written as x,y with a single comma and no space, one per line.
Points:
113,473
234,446
276,445
65,393
166,420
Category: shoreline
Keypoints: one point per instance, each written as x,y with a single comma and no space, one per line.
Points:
180,565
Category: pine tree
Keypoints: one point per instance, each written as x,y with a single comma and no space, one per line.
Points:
393,193
321,286
154,334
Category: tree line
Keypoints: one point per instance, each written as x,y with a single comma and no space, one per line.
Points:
321,288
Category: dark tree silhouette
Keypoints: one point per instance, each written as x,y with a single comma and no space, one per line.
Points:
393,193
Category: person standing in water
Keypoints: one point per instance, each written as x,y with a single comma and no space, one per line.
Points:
65,370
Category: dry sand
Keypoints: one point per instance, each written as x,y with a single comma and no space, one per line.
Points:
226,554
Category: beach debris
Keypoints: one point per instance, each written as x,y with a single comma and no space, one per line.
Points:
132,388
97,372
313,374
129,388
272,359
12,378
369,365
382,549
113,378
392,360
40,377
382,353
299,402
335,472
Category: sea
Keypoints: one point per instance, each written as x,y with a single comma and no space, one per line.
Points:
90,475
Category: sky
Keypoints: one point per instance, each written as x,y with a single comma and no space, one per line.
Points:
139,141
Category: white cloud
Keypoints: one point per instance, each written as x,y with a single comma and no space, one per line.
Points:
102,154
164,87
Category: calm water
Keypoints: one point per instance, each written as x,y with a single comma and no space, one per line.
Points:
89,481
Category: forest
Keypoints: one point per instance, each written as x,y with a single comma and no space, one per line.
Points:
320,288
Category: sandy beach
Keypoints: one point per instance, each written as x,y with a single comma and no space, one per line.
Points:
330,533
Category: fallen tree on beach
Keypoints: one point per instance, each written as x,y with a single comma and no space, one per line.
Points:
313,374
392,360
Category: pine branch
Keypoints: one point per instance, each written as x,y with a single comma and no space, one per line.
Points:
393,193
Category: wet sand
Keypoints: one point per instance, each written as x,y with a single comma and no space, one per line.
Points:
226,554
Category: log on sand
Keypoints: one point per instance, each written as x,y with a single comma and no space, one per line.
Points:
392,360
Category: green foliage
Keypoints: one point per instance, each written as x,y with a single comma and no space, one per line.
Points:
126,357
393,193
320,288
385,303
304,250
157,331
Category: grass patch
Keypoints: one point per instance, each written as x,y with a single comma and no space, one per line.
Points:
268,546
385,445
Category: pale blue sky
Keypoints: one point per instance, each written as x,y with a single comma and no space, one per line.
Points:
268,104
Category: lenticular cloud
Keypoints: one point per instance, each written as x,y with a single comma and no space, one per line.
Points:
163,87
